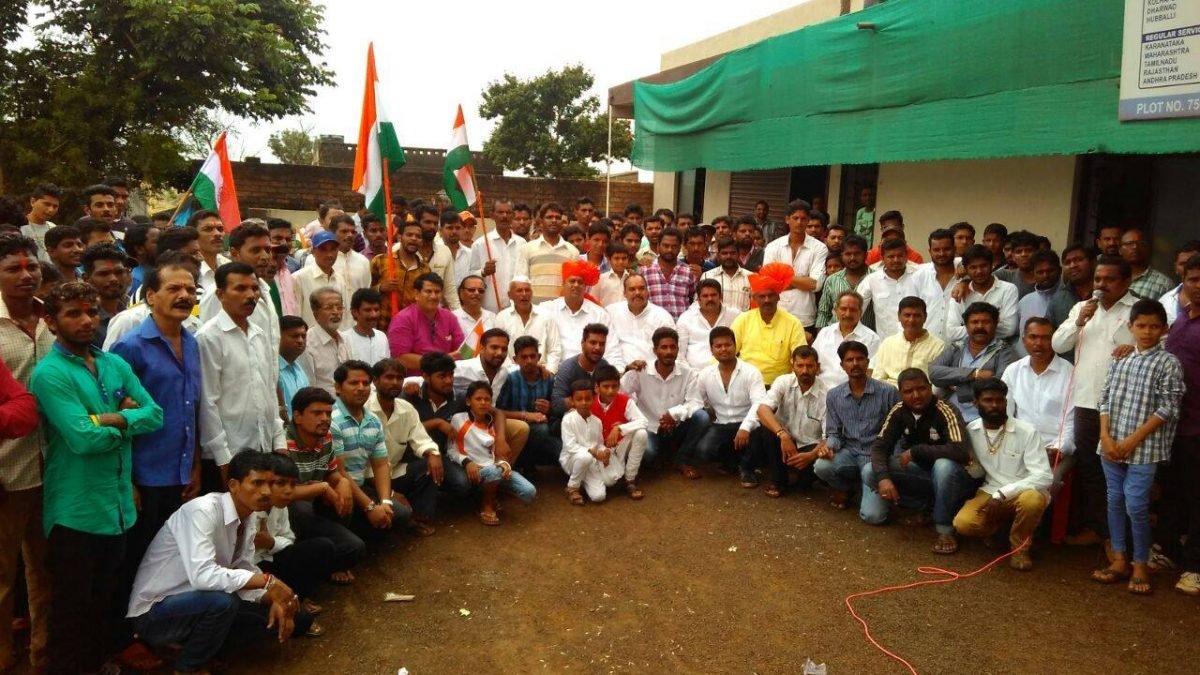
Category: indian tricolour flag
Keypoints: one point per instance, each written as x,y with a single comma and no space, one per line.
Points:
214,188
458,178
470,345
376,142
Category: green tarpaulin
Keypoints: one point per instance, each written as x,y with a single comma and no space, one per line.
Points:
937,79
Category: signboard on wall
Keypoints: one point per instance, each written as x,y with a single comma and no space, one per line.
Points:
1160,60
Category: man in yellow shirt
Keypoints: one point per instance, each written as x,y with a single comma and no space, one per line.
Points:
912,347
767,334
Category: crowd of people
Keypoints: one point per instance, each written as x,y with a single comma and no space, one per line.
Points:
205,423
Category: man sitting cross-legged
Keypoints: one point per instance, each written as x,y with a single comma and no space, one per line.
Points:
198,578
1011,458
920,456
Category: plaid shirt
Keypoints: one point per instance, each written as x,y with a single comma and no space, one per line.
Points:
518,394
674,294
361,442
1142,384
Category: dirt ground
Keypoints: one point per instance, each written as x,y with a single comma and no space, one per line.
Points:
707,577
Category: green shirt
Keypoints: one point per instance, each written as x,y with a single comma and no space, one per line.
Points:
835,285
88,486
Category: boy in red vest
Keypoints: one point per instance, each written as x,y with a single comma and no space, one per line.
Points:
623,427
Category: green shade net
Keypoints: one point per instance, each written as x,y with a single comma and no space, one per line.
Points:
938,79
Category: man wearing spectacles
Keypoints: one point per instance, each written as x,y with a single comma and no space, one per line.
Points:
424,326
470,311
1148,283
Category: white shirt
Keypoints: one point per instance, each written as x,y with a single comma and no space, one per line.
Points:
632,332
206,284
308,279
802,413
693,331
504,253
371,349
127,320
927,279
570,328
323,353
263,316
353,267
441,262
580,436
541,328
677,394
462,261
1002,295
735,288
1094,345
886,293
737,403
279,526
467,322
471,370
1019,464
1169,300
38,234
827,342
402,432
239,375
809,261
610,289
1043,401
194,552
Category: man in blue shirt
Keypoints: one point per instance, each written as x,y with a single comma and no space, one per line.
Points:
166,360
293,340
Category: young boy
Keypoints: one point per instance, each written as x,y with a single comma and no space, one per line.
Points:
622,426
588,462
833,265
597,243
575,236
367,342
1139,408
301,565
525,396
611,287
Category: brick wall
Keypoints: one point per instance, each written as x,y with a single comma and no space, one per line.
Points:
302,188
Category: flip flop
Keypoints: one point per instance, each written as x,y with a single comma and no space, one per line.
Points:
772,491
1109,575
346,581
1140,581
315,630
634,491
421,528
945,544
489,518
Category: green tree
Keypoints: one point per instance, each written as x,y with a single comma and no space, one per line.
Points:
293,146
120,86
548,127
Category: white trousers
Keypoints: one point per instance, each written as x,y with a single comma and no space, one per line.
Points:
589,473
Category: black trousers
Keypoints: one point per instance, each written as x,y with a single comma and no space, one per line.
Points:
1091,500
768,444
304,564
311,521
86,573
1179,509
157,505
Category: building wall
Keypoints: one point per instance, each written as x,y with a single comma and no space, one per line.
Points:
716,194
794,18
663,190
1035,193
287,187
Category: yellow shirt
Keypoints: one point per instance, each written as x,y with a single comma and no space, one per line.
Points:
768,347
897,354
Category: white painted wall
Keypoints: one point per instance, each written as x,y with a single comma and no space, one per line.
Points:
716,194
664,190
1033,193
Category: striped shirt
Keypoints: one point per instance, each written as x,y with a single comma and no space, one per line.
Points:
361,442
542,262
21,458
1142,384
835,285
315,463
520,394
853,424
938,432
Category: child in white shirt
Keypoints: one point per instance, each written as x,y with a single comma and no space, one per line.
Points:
588,463
475,443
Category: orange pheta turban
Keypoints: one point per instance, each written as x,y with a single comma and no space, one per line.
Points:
774,276
583,269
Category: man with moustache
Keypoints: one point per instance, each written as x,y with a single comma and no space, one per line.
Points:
542,259
397,286
1039,393
323,273
496,260
239,371
1079,268
250,243
983,355
325,348
104,268
436,254
522,318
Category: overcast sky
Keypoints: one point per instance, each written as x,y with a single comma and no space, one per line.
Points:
446,53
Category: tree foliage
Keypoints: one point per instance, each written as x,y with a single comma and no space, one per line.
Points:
548,127
122,86
293,146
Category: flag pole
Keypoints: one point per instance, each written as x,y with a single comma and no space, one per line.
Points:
179,206
391,238
487,245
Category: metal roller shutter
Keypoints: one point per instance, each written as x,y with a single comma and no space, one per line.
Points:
747,187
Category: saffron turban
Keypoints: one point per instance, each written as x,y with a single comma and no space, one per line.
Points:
583,269
775,276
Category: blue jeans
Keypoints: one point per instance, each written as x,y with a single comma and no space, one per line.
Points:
198,620
686,435
517,484
717,444
1129,494
845,473
948,486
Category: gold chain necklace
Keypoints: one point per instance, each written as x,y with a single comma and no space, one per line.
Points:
994,446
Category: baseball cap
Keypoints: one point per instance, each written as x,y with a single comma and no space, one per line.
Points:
323,237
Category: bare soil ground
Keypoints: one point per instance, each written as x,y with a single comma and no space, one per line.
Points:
707,577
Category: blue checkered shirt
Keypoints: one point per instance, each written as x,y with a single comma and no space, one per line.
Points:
853,424
361,441
1142,384
517,394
